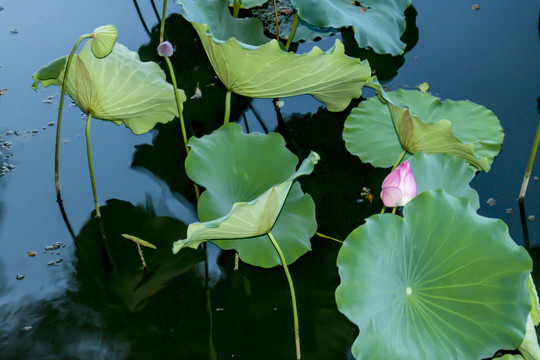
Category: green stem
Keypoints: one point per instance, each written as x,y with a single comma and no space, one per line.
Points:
90,166
395,166
529,165
293,296
236,7
162,28
277,20
59,121
227,108
293,31
180,116
328,237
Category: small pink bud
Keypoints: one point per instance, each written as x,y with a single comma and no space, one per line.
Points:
399,187
165,49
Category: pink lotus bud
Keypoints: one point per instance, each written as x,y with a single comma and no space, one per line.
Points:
399,187
165,49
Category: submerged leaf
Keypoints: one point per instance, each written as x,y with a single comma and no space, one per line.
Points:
430,285
376,24
119,88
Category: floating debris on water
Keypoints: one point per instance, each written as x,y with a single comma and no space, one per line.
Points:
476,7
51,123
509,210
536,178
531,218
14,31
27,328
423,87
220,309
19,277
491,202
3,92
32,253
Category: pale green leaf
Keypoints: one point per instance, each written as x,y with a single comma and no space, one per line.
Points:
430,285
50,74
535,303
529,348
248,4
103,40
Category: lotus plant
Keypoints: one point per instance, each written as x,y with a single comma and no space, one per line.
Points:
399,187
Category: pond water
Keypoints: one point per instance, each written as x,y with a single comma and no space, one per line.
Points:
69,306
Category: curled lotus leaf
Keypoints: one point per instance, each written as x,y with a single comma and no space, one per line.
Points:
103,40
119,88
415,121
443,171
430,285
248,4
376,24
247,172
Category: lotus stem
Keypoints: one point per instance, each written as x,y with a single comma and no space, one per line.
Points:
227,107
59,121
293,296
162,27
277,21
293,31
90,166
236,7
328,237
142,257
529,165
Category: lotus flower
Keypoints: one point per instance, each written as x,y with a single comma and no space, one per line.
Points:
165,49
399,187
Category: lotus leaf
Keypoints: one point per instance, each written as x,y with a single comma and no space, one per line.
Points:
535,303
443,171
268,72
221,24
377,24
529,347
119,88
248,4
430,285
238,168
50,74
460,128
104,38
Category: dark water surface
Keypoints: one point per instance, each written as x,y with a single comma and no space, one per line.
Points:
78,308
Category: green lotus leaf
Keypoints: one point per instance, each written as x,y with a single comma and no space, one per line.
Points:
304,31
268,72
50,74
430,285
535,303
118,88
238,168
443,171
221,24
529,347
377,24
103,40
247,219
248,4
460,128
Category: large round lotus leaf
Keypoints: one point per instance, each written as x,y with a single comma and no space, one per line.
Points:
376,24
236,167
475,131
221,24
443,171
441,282
104,38
119,88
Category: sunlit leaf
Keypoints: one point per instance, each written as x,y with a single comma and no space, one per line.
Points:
422,122
535,303
430,285
119,88
251,68
529,348
376,24
50,74
443,171
238,168
103,40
